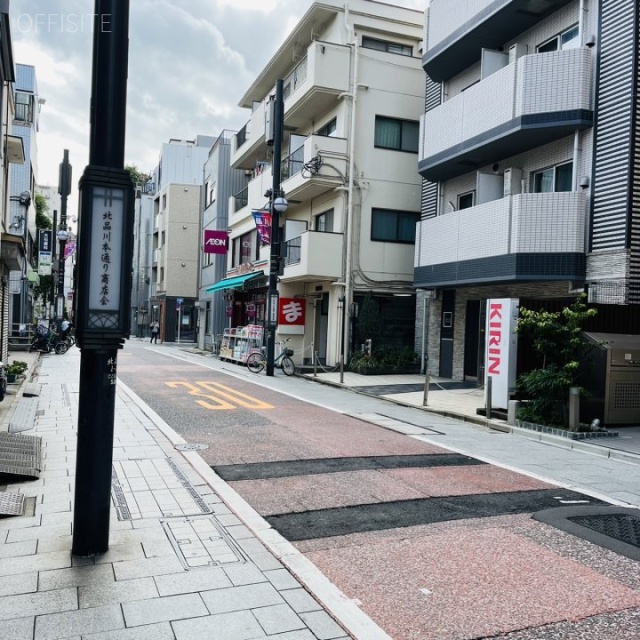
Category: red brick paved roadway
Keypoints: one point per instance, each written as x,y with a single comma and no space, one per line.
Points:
507,577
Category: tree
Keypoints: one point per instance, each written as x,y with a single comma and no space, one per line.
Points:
43,221
138,177
557,338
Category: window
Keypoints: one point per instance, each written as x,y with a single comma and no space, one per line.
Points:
568,39
388,225
385,45
401,135
245,248
329,129
466,200
324,221
558,178
24,110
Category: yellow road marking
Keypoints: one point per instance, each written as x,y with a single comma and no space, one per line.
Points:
221,392
235,396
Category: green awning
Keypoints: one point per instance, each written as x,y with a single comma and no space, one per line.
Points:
234,283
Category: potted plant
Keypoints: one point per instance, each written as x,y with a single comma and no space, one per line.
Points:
15,369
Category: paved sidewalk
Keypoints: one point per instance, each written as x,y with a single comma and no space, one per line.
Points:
188,558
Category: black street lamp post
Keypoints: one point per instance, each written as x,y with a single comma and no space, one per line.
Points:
105,253
278,205
64,189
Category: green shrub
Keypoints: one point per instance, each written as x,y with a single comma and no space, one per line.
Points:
17,367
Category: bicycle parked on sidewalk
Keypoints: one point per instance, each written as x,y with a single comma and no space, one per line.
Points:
257,360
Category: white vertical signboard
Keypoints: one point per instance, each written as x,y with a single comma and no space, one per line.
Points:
501,349
106,249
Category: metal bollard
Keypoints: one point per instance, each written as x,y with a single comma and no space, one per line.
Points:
315,364
426,388
574,408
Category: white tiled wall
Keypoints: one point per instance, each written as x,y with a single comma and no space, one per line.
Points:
443,20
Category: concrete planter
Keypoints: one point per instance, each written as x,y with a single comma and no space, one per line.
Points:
564,433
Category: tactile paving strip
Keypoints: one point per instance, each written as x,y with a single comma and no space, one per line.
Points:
202,542
11,504
20,455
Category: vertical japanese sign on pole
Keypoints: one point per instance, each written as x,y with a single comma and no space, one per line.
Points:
104,257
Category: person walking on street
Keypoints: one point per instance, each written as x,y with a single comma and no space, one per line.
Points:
155,330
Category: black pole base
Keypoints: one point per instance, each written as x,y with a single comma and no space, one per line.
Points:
96,412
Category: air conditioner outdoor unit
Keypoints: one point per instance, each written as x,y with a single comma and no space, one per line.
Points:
512,182
517,51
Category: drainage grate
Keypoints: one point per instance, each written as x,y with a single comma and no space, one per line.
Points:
191,447
615,528
20,455
11,504
621,526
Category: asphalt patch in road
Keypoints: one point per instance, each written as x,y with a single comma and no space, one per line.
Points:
288,468
342,521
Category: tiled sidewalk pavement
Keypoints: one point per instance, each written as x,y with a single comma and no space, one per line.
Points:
181,563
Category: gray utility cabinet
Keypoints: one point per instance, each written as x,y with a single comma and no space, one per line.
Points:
612,379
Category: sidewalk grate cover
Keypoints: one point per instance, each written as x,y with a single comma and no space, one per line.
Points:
20,456
202,542
11,504
614,528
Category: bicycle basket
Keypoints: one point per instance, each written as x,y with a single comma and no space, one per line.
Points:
288,352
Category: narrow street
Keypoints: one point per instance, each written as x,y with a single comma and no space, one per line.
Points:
431,543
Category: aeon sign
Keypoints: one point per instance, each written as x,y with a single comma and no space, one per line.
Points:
216,241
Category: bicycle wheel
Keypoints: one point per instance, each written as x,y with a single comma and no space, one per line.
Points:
287,366
256,362
61,348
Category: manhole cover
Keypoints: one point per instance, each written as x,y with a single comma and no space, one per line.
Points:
620,526
11,504
191,447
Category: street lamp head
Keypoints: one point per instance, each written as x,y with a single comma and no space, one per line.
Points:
280,204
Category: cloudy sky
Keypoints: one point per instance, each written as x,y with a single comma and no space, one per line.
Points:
190,61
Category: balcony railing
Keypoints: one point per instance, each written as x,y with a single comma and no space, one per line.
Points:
294,249
293,163
241,199
241,136
294,79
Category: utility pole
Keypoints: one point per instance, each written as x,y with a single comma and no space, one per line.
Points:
105,251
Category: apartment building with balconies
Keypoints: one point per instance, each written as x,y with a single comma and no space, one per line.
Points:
353,95
175,266
527,150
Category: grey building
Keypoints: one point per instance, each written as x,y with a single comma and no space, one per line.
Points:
220,183
528,150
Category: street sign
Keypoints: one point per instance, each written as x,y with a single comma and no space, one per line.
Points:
179,301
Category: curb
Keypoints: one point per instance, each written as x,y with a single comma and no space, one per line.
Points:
558,441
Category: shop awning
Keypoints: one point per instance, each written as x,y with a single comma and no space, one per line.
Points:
234,283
